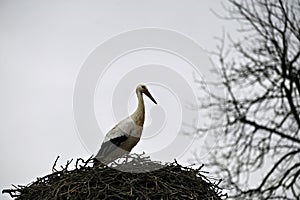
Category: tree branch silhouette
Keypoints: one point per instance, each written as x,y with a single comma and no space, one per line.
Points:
259,117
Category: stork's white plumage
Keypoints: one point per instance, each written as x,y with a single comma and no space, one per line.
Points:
126,134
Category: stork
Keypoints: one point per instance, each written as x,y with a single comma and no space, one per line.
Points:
126,134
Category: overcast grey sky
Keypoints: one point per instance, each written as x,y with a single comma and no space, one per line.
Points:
43,47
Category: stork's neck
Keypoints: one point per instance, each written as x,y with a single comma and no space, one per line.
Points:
139,115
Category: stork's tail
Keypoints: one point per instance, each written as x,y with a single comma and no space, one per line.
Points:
97,163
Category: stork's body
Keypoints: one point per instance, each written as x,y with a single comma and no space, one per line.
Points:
126,134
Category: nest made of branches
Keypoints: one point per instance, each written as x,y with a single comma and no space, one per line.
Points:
136,178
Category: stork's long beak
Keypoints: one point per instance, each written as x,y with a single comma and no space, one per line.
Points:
150,96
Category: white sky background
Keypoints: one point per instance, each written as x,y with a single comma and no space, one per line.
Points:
43,45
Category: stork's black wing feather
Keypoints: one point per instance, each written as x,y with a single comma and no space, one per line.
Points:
110,145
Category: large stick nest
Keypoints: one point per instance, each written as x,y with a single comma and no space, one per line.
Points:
136,178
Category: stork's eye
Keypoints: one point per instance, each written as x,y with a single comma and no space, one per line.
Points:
143,87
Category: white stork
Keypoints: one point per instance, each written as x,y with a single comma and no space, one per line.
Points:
126,134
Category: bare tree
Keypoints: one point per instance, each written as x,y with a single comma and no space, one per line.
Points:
260,116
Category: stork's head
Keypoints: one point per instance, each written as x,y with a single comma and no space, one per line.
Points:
142,89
